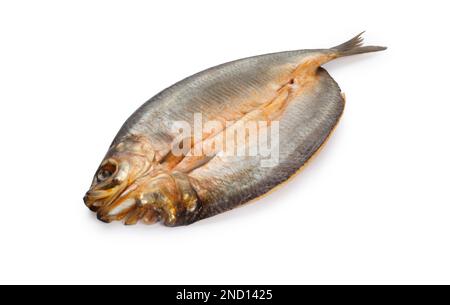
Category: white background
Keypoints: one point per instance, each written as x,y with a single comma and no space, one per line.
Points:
373,207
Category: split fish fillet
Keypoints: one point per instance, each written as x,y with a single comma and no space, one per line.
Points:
220,138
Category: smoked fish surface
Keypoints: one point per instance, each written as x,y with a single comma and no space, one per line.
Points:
151,173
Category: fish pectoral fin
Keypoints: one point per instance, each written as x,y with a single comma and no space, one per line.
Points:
173,196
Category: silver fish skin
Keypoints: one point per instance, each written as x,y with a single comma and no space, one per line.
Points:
142,179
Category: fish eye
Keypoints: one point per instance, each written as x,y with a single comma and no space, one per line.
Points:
106,171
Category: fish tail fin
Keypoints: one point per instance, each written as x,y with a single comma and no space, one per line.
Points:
310,64
355,46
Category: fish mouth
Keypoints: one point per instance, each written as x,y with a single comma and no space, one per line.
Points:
96,199
130,212
123,206
119,203
117,210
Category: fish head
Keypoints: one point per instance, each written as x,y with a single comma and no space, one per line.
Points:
125,163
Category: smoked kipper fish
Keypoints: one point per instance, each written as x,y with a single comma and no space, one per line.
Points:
220,138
